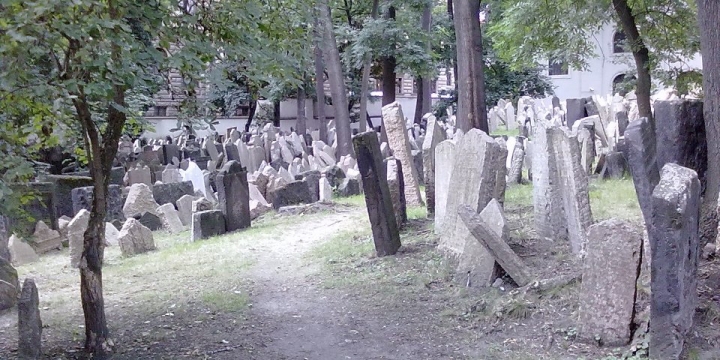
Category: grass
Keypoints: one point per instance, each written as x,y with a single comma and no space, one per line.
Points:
519,195
501,131
614,198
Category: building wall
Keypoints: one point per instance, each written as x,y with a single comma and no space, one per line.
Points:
603,69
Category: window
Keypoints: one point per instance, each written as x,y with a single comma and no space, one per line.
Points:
399,85
160,111
242,110
619,42
557,67
623,84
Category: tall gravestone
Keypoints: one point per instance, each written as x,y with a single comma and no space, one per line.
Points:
29,322
399,142
675,246
549,215
234,195
473,183
444,159
572,182
433,137
397,190
82,198
377,193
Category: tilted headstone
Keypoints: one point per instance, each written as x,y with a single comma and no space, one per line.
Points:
135,238
610,273
394,122
433,137
139,201
473,183
184,206
170,219
207,224
234,195
377,193
76,236
572,184
397,191
675,247
111,234
516,164
9,286
150,220
444,160
29,322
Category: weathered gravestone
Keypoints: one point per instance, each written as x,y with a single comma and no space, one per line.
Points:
516,163
170,152
473,183
139,175
234,195
675,246
608,290
63,187
171,175
207,224
170,219
82,198
571,183
296,192
135,238
45,239
29,323
549,215
490,230
377,193
111,234
42,207
349,187
444,159
150,220
640,151
20,252
326,193
394,122
575,110
139,201
170,193
312,179
615,166
184,206
9,286
433,137
397,191
76,233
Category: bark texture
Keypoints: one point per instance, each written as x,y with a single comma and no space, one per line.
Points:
300,124
364,90
471,85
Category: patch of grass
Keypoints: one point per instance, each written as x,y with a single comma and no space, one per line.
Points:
416,212
355,200
346,246
501,131
614,198
519,195
226,301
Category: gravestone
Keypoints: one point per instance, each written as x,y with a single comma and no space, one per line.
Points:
20,252
139,175
444,159
473,182
386,235
139,201
207,224
433,137
490,230
45,239
675,247
63,187
614,167
170,219
397,191
201,204
608,290
171,175
41,207
9,286
296,192
571,182
170,152
575,110
232,152
516,163
349,187
326,193
82,198
170,193
549,215
234,195
5,237
76,236
135,238
394,122
184,206
29,323
150,220
111,234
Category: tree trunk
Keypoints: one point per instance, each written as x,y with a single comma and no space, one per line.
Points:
320,82
641,55
451,13
337,82
276,113
251,110
300,124
389,79
708,13
424,98
471,111
364,90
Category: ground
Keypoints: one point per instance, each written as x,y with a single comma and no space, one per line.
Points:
307,286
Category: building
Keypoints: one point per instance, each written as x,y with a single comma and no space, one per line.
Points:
605,71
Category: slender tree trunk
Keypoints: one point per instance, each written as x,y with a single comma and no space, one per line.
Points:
364,85
337,82
389,78
300,124
423,104
451,13
252,109
641,55
320,82
708,15
276,113
471,111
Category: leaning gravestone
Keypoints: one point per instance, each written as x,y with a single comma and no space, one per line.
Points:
76,234
675,247
170,219
139,201
29,323
394,122
516,163
640,154
207,224
184,206
234,195
473,182
571,183
396,186
444,158
20,252
433,137
377,193
608,289
9,286
135,238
